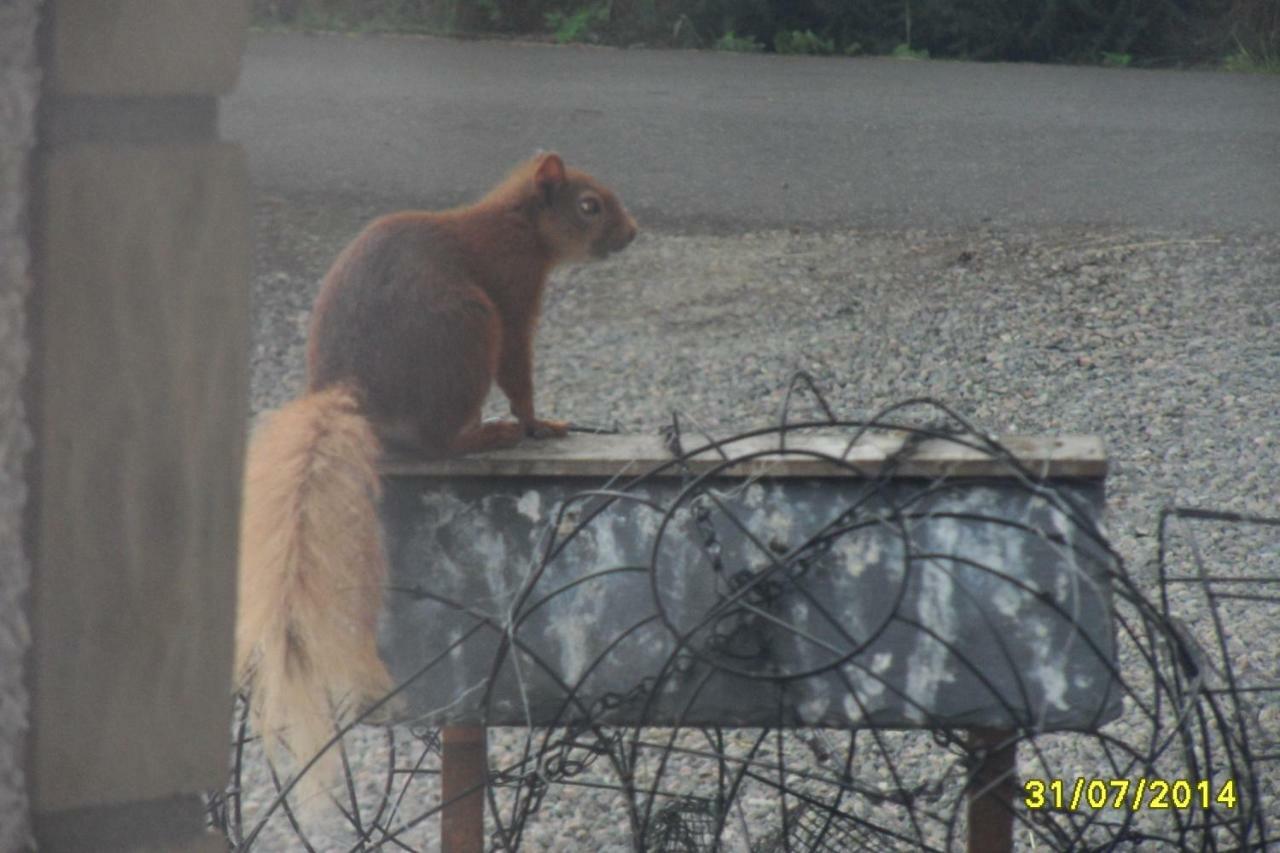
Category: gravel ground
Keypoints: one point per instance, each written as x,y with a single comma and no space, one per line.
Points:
1167,344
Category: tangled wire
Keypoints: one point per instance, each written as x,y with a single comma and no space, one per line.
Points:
693,662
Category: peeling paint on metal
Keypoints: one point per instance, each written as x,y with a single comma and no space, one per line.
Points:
530,505
927,667
1049,675
484,546
814,709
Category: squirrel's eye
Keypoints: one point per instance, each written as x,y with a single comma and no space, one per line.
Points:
589,205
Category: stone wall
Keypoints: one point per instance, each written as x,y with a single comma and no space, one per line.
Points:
19,91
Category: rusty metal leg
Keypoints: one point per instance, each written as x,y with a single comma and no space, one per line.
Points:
464,769
992,791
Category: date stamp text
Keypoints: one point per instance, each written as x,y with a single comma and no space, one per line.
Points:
1132,794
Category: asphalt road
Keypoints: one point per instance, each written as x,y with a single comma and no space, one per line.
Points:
705,140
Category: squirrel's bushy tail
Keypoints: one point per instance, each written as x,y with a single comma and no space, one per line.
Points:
312,572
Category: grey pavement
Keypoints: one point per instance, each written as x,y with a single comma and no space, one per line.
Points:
725,142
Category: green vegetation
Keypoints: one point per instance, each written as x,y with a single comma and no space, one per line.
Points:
904,51
578,25
802,41
1254,36
1243,60
1240,35
730,41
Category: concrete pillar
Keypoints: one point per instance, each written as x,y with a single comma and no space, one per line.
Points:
140,317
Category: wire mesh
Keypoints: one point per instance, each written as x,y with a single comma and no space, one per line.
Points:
1191,763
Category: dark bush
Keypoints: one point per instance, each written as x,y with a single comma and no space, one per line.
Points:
1158,32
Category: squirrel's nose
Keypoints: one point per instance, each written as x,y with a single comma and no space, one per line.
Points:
628,234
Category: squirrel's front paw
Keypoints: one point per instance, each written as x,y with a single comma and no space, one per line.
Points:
540,428
488,435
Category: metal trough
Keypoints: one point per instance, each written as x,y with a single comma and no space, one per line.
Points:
814,584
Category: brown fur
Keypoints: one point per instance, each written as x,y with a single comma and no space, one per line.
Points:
417,318
424,311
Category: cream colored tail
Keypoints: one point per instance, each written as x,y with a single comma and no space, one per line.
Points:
312,571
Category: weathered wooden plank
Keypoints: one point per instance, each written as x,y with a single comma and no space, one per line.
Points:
584,455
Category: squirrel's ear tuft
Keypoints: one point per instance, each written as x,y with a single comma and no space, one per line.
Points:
550,172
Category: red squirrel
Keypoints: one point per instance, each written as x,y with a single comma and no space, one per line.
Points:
419,315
